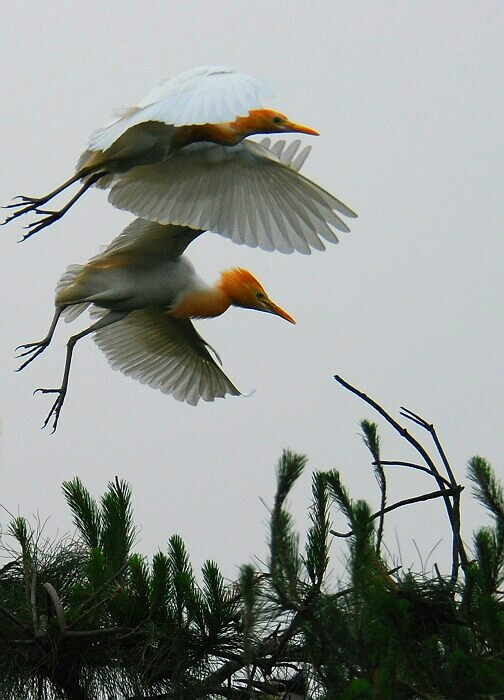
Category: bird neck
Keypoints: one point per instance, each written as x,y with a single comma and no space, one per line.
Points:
201,303
225,133
222,133
253,123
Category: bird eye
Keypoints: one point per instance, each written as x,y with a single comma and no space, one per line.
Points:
260,296
277,120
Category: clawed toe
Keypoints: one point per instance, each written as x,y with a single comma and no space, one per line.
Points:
26,205
17,204
34,204
31,349
12,217
47,391
54,413
36,226
31,205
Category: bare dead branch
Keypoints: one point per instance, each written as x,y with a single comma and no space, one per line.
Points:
58,607
405,502
458,549
429,427
33,600
403,432
412,465
101,632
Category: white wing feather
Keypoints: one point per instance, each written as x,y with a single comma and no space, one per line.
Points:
168,240
207,95
148,240
165,353
243,192
291,156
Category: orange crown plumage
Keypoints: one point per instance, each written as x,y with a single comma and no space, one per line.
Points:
267,121
238,284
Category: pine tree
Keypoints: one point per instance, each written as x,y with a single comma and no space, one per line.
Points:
86,617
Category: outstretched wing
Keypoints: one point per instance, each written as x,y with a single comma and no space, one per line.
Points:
170,241
149,239
165,353
291,156
243,192
207,95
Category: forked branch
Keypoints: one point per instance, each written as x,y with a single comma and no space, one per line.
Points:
449,490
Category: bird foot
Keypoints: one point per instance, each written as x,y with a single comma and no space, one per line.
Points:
37,226
55,411
32,349
26,205
32,204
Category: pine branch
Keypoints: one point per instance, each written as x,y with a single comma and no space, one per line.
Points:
284,556
289,469
181,575
160,582
118,531
249,591
339,493
86,514
18,528
488,489
86,607
317,546
372,441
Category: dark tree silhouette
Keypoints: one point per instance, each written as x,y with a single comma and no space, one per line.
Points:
86,617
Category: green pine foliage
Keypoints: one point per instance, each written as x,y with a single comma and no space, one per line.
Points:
87,617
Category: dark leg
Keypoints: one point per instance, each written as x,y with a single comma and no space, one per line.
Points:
55,215
34,349
34,202
111,317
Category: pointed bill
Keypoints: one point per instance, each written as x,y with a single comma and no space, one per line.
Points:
292,126
274,309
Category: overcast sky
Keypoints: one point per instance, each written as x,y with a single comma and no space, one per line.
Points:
408,99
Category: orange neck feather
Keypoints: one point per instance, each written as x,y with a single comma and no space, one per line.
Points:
226,133
202,303
235,287
216,133
253,123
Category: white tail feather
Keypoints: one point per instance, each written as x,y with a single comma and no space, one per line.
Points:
70,313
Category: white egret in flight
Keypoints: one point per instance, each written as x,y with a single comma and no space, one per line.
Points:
181,156
145,292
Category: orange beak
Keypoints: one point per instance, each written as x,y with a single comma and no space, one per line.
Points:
274,309
292,126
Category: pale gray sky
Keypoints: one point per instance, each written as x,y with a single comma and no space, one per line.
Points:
408,99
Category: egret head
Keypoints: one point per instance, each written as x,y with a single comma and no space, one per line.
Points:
244,290
268,121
